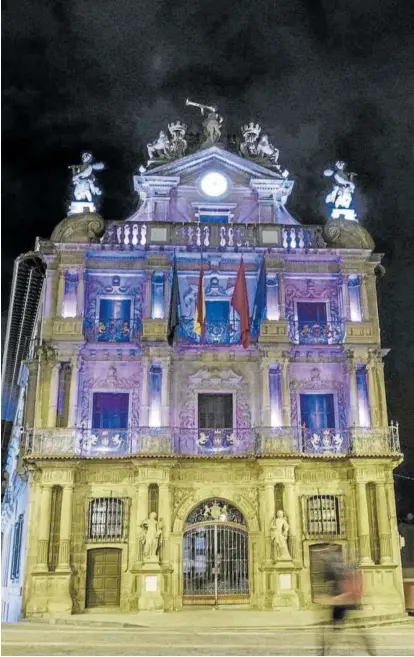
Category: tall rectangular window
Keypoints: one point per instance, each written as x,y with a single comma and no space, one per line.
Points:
373,522
69,306
317,411
157,296
62,411
354,292
364,418
114,320
215,411
17,547
273,308
217,311
110,410
55,518
275,397
155,389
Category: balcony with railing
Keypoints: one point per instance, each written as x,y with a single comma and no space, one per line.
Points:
317,332
215,332
111,330
260,441
215,236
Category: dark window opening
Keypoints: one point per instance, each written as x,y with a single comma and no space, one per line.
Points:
311,312
110,410
215,411
317,411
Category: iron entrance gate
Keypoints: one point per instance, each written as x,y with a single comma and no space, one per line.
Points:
215,556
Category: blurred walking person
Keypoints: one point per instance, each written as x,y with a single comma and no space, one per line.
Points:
346,594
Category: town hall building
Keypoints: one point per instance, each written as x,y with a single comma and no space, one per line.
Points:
199,409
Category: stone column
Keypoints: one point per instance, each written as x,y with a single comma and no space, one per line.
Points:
164,514
269,514
80,293
65,529
345,297
286,421
282,303
165,394
353,419
363,523
142,514
372,392
144,416
148,296
73,394
382,397
53,395
291,513
264,369
61,293
384,528
43,529
39,415
364,298
166,293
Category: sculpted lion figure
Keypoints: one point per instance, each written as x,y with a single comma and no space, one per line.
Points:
266,150
159,147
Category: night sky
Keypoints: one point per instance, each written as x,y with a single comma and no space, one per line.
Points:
325,79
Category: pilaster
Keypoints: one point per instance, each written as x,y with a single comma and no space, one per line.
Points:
80,293
53,395
264,369
60,293
384,528
73,394
65,529
43,531
285,391
363,523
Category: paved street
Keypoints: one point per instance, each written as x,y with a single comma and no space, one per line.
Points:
85,639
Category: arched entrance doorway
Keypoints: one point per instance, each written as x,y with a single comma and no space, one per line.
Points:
215,555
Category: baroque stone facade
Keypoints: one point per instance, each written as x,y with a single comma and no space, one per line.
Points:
167,464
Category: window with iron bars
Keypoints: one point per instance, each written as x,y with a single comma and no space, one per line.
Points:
108,519
323,516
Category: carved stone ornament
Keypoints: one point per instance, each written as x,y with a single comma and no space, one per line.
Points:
344,234
256,146
279,531
163,148
82,228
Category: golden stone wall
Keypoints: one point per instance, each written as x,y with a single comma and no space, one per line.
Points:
249,485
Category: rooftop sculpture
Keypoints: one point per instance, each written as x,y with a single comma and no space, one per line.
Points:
256,146
86,193
341,197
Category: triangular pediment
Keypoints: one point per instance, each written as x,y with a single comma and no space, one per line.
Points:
193,164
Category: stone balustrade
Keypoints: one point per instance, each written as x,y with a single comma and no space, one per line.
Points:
217,236
259,441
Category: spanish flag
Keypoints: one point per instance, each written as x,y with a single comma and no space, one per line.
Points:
200,318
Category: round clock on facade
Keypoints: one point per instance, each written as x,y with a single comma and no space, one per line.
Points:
214,184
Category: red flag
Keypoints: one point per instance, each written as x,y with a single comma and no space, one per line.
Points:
240,302
200,318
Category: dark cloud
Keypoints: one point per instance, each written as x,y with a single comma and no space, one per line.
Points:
325,78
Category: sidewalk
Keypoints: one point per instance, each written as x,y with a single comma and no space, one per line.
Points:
212,618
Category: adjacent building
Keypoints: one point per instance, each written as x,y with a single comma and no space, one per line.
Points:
173,455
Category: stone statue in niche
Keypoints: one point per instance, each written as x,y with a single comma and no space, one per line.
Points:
279,532
152,537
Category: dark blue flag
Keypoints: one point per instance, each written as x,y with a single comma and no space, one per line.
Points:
260,300
174,314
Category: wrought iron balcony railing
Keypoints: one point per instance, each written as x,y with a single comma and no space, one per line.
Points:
317,332
215,332
260,441
111,330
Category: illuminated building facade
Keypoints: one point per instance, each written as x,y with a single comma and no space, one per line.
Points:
174,458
